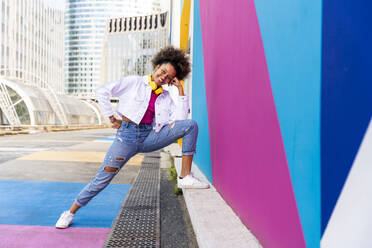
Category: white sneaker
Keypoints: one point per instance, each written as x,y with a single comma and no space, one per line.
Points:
65,220
191,182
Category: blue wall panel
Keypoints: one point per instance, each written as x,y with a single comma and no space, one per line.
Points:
346,92
199,99
291,34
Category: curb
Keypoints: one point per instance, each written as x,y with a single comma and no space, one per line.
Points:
42,129
215,223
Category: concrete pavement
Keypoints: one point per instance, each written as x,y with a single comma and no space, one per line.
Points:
41,173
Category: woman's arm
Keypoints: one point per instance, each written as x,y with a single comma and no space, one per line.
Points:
181,110
115,89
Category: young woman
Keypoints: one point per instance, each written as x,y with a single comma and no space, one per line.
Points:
150,120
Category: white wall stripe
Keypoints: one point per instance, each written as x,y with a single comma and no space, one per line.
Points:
351,222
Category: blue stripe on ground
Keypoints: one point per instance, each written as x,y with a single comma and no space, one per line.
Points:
41,203
106,139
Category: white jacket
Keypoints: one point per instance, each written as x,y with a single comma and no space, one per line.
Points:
134,95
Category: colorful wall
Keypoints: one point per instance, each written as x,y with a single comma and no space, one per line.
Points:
283,98
346,114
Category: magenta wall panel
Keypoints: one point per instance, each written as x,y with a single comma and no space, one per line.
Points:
249,166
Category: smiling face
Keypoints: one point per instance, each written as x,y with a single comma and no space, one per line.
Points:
163,74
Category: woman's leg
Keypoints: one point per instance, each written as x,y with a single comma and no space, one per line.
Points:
186,129
74,208
186,165
118,154
121,150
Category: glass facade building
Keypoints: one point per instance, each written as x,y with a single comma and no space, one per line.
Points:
32,67
31,40
85,22
131,42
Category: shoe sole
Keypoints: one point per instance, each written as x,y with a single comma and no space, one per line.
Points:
64,227
60,227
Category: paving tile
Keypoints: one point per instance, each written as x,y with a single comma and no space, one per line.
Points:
15,236
74,156
59,171
41,203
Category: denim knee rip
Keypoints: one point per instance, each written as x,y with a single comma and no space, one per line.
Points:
113,162
110,169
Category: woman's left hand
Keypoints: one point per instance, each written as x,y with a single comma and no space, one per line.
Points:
178,84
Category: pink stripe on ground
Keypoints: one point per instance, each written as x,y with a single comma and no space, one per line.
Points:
12,236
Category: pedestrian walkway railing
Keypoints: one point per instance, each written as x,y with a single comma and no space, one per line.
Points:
7,106
38,82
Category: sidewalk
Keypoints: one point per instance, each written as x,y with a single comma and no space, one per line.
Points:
7,130
215,224
40,175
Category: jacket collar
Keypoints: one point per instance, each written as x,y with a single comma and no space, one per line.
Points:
145,80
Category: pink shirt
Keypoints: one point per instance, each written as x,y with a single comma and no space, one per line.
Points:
150,112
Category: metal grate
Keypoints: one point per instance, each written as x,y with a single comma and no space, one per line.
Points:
152,155
138,221
149,160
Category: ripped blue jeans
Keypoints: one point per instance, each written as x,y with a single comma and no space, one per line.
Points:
132,139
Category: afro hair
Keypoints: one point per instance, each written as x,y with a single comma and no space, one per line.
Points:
176,57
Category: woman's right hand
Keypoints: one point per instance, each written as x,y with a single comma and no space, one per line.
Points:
115,122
